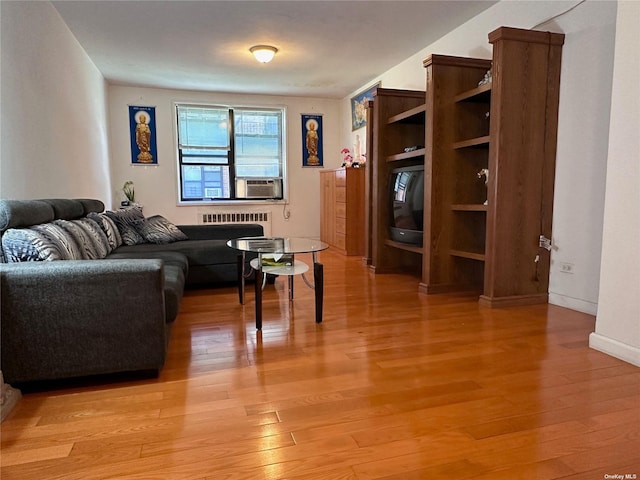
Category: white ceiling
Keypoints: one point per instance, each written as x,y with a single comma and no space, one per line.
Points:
326,48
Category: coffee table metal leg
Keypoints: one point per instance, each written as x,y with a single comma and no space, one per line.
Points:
290,280
318,280
259,279
241,281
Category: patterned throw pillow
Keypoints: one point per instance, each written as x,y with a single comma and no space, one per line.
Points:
89,237
57,235
47,241
23,245
127,220
157,229
109,228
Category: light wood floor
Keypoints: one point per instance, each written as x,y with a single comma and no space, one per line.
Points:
394,385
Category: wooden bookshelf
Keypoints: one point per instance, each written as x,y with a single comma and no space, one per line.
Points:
398,122
478,235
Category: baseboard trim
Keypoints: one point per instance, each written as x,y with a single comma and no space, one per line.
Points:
576,304
615,348
435,288
513,300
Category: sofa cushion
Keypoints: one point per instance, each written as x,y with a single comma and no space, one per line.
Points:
65,208
199,252
89,237
91,205
127,220
47,241
175,259
157,229
109,228
24,213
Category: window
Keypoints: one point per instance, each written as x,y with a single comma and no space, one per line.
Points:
230,153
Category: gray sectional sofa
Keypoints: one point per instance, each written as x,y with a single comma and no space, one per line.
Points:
76,301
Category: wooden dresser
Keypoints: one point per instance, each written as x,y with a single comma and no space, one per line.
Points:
342,209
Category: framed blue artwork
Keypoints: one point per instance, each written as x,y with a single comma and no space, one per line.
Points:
312,155
142,128
359,107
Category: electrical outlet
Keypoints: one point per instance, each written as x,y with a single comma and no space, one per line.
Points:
566,267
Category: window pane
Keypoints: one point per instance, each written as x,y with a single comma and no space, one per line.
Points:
202,182
258,143
255,167
203,127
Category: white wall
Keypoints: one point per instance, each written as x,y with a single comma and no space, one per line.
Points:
54,129
156,186
585,100
581,166
618,321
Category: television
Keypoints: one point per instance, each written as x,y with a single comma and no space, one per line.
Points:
407,204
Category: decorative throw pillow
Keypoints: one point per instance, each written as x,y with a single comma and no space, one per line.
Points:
22,245
157,229
58,236
89,237
109,228
127,220
99,238
47,241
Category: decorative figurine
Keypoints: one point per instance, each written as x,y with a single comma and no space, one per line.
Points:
484,173
488,78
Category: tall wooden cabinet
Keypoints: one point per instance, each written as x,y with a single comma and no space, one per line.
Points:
342,214
522,156
483,237
457,135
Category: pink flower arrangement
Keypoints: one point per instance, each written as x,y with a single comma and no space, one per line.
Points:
349,161
347,158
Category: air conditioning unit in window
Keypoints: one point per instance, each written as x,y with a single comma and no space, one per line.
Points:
259,188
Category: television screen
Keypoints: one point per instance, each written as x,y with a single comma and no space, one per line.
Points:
407,204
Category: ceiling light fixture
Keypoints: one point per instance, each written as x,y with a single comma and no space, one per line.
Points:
263,53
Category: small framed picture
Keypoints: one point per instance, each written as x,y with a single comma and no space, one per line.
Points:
142,129
312,155
359,107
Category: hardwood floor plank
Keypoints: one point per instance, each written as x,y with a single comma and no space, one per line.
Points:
35,454
333,474
218,446
626,469
518,421
553,468
458,469
392,385
515,451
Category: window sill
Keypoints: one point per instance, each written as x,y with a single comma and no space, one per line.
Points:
215,203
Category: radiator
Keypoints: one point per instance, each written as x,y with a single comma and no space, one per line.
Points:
261,218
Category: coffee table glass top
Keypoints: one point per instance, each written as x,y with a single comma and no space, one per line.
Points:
277,244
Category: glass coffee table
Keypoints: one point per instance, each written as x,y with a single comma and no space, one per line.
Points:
276,256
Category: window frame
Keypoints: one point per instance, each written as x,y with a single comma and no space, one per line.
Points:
231,159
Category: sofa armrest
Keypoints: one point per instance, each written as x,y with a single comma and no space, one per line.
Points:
74,318
222,231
